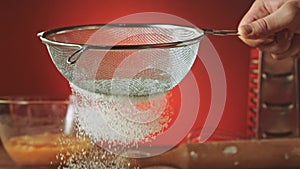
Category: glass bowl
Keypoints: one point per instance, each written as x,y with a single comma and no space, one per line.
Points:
38,131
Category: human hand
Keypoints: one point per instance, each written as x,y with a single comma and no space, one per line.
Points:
273,26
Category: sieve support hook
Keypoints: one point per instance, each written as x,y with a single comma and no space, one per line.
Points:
76,55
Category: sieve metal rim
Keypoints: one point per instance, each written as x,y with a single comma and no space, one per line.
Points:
173,44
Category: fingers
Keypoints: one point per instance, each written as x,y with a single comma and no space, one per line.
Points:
258,42
256,11
282,42
286,16
265,26
273,26
292,51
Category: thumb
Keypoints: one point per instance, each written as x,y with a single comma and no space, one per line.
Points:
267,25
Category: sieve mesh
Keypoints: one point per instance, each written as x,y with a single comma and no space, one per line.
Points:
124,59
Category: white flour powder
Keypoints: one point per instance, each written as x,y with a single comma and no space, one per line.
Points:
107,118
116,125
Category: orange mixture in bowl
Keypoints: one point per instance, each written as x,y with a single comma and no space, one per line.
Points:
44,149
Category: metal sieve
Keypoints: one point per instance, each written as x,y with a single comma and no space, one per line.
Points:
125,59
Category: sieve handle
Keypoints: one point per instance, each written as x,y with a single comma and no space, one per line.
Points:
76,55
221,32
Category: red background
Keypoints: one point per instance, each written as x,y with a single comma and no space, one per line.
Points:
26,68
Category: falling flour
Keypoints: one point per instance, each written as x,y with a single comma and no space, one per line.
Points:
112,119
116,124
95,158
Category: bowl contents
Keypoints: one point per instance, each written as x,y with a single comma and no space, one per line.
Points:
43,133
44,149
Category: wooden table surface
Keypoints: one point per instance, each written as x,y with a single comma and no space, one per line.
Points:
258,154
